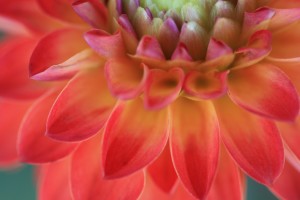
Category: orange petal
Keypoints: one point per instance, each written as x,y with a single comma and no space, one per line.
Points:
254,142
81,109
162,172
54,181
195,135
33,145
133,138
273,95
87,176
162,88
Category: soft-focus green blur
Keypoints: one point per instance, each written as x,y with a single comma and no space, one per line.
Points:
19,185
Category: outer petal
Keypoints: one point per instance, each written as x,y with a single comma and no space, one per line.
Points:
11,116
272,95
161,87
254,142
195,135
54,181
87,176
14,81
162,172
287,185
133,138
81,109
229,183
33,145
50,54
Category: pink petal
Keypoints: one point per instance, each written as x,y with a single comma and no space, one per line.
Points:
125,78
284,17
81,109
133,138
229,183
11,116
14,81
253,142
181,53
287,185
105,44
150,47
195,135
54,181
217,49
259,46
33,145
93,12
272,95
162,172
162,88
87,176
206,85
51,62
60,9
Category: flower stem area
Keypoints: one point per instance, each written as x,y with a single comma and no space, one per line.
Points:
19,183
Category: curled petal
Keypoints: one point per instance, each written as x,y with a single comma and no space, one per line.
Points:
81,109
253,142
206,85
161,87
283,18
125,78
150,47
133,138
195,134
49,57
181,53
216,49
274,96
87,176
33,145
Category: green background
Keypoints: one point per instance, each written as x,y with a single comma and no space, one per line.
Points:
19,185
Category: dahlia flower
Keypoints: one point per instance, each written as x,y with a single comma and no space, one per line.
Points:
147,99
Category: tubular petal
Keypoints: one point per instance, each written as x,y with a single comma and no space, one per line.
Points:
75,115
133,138
162,172
11,116
229,183
162,88
195,144
92,11
54,181
47,55
273,95
125,78
105,44
287,185
258,148
33,145
14,81
87,176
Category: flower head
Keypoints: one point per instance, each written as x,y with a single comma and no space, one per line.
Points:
152,99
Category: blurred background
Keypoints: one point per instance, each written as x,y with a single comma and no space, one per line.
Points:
19,184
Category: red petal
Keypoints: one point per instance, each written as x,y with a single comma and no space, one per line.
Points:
80,111
33,145
11,116
54,181
14,81
87,176
195,144
272,95
284,17
150,47
133,138
229,183
50,55
60,9
93,12
254,142
162,172
105,44
125,78
162,88
287,185
217,49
